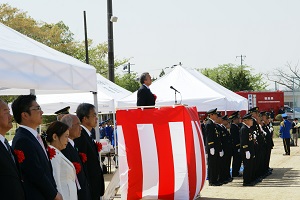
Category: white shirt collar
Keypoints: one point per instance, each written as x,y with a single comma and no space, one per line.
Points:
2,138
71,142
246,125
32,131
146,86
88,132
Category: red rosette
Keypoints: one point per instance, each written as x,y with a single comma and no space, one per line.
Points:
99,146
83,157
20,155
77,167
51,152
155,97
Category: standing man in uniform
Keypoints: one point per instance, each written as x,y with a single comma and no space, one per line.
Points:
226,141
213,148
236,146
144,95
247,150
11,183
284,130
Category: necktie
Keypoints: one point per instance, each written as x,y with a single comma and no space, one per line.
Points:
41,143
9,150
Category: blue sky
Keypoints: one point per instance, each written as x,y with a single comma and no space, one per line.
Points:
199,33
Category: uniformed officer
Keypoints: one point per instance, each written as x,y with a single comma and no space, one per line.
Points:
259,143
213,148
235,134
269,141
226,141
247,150
60,113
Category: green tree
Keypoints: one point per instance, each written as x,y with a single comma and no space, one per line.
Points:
128,81
57,36
235,78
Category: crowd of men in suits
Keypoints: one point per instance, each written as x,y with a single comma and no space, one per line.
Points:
231,141
26,171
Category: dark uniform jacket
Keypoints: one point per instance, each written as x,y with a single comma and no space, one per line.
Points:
145,97
213,136
246,138
36,168
235,134
11,183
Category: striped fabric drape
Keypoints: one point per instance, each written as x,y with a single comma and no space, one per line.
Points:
161,153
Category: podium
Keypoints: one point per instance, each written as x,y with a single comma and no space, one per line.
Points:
161,153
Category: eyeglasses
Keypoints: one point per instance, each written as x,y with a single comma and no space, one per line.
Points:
37,108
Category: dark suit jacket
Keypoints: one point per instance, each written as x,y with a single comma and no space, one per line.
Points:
145,97
11,183
72,154
86,145
213,139
36,168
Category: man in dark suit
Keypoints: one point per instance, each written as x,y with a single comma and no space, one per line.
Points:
11,183
36,167
85,144
144,94
72,154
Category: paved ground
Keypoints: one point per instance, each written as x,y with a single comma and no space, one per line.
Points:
283,184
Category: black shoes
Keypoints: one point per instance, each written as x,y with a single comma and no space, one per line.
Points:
215,184
248,184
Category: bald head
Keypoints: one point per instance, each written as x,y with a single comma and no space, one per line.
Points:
5,118
73,122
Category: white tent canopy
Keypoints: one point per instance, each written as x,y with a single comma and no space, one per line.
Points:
195,90
27,64
107,93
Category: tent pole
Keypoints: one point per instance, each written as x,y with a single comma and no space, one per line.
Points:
96,108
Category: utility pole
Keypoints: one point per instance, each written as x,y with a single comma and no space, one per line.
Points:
86,40
242,58
111,70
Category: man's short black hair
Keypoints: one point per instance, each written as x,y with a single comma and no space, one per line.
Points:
22,104
143,77
83,110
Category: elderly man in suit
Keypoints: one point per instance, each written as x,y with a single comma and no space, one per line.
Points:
72,154
11,183
88,117
36,167
144,94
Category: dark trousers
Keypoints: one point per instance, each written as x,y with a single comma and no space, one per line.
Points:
248,170
286,144
213,168
268,156
236,163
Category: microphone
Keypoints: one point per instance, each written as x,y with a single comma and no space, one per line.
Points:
174,89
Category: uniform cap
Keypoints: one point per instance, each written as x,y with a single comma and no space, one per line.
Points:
212,111
63,111
225,117
254,109
235,113
247,116
233,117
219,114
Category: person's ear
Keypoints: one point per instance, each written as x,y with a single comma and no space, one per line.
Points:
54,136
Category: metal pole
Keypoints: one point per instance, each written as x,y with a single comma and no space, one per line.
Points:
111,73
293,97
86,40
